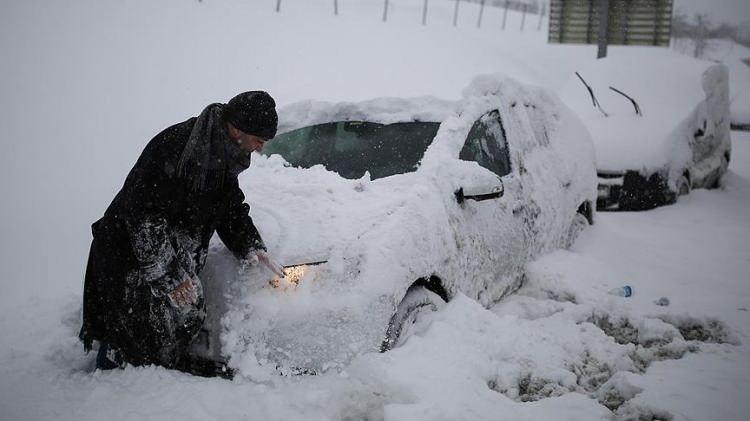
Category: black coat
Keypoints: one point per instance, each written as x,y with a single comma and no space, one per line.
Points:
155,232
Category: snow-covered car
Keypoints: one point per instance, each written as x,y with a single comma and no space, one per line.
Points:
661,127
389,207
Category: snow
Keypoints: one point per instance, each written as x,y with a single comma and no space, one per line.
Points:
735,57
379,110
671,91
86,84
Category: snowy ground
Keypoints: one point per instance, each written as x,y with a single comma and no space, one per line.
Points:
88,83
562,348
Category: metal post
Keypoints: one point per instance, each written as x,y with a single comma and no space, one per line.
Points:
455,14
541,15
385,11
278,6
657,8
424,13
481,10
603,28
523,17
505,13
336,7
590,26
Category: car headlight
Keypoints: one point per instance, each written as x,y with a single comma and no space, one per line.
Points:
292,275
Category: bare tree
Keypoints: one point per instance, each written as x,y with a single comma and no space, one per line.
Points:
697,32
700,35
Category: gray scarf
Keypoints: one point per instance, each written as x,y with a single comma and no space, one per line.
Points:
209,156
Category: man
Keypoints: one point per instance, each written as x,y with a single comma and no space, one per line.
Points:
143,301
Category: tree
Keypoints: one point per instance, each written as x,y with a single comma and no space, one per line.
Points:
701,34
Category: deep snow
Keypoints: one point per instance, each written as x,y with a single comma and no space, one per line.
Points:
470,362
86,84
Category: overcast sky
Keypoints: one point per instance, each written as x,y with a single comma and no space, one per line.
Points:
730,11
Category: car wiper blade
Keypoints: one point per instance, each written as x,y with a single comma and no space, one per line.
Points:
319,262
635,104
593,97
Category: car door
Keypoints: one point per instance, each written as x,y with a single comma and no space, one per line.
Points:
544,177
491,231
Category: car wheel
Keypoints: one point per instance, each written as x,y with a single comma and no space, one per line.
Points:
417,303
722,170
683,185
577,225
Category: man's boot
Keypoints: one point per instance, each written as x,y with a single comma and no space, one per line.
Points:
108,358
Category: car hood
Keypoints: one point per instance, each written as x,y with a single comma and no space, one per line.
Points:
307,215
668,89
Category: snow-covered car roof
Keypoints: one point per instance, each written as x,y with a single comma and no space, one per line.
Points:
667,87
379,110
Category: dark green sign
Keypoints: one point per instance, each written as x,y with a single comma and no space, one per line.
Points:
628,22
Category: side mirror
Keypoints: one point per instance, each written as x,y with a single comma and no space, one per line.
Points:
480,194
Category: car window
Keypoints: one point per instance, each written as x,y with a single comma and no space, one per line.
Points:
486,144
351,148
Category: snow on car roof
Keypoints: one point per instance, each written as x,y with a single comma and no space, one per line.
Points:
667,88
379,110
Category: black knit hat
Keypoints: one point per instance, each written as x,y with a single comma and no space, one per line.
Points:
254,113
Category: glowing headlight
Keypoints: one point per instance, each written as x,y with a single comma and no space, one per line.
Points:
292,276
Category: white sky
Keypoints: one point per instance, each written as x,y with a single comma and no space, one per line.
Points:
730,11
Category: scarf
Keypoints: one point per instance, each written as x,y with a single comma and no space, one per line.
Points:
209,156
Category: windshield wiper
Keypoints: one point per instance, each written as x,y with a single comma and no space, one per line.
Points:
593,97
635,104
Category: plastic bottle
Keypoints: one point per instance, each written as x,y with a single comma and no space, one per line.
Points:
623,291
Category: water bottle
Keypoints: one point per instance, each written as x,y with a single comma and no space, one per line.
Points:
624,291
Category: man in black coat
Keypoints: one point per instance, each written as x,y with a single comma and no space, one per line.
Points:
143,301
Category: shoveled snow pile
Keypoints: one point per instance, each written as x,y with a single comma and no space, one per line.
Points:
676,95
737,58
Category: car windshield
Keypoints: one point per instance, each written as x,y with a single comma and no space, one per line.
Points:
352,147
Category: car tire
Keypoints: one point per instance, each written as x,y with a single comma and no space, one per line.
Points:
683,186
577,225
418,302
722,170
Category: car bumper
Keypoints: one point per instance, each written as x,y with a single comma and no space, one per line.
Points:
632,191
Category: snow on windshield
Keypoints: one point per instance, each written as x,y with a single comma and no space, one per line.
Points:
352,148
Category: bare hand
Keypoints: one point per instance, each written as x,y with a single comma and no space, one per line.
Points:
184,294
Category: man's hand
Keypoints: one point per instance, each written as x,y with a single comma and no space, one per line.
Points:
184,294
260,256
